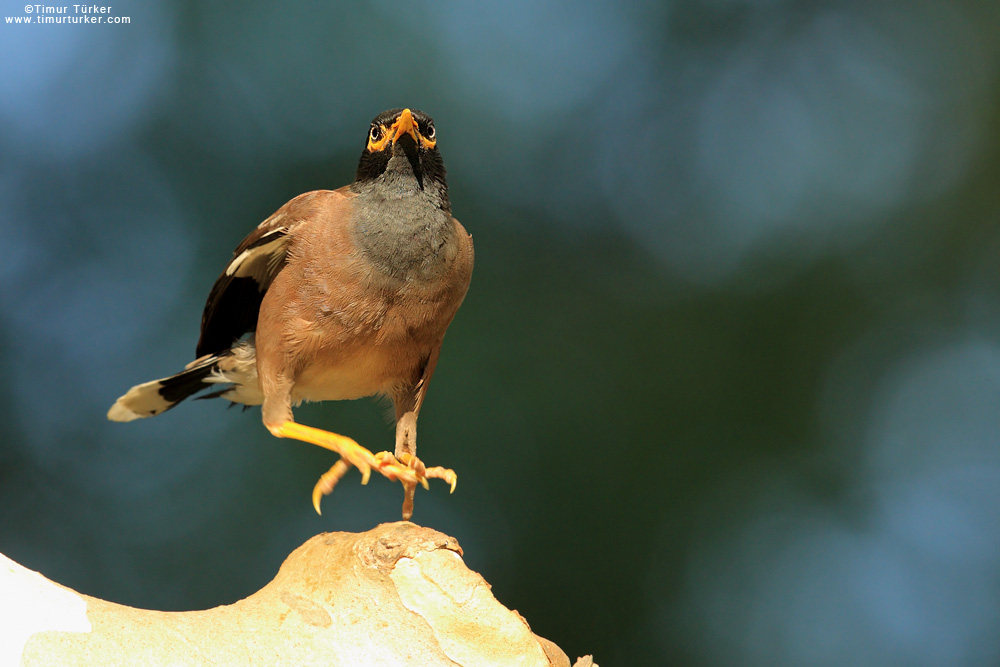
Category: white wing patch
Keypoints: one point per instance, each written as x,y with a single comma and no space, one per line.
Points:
262,259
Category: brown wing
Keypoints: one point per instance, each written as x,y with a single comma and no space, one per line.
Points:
234,302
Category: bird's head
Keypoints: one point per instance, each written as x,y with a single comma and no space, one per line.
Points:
402,142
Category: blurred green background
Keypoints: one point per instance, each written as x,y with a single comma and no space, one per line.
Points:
726,386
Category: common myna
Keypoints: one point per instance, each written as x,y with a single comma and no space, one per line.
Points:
338,295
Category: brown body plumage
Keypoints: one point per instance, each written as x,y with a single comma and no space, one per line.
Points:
338,295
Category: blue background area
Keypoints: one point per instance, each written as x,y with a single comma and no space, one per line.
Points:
725,388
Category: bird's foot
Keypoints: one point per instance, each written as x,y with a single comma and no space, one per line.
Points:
409,471
420,473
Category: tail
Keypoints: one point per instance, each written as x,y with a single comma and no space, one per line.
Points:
151,398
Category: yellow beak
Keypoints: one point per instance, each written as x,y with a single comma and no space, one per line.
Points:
405,125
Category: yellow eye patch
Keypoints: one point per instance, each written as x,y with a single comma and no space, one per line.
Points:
381,136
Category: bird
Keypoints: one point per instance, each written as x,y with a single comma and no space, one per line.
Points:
340,294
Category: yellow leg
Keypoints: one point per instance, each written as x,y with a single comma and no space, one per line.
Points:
409,472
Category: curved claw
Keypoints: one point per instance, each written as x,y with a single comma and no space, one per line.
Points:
446,474
327,481
423,473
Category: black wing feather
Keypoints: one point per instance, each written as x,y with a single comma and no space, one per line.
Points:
234,302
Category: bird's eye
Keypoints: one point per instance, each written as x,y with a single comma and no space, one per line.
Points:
430,132
375,134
